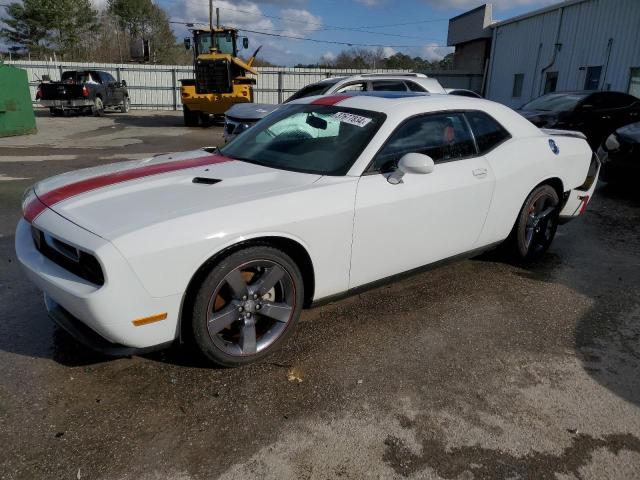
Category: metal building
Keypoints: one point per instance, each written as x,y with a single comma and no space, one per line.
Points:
572,45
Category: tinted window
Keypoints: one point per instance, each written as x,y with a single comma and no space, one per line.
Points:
390,86
414,87
488,132
311,90
555,102
442,136
550,82
611,100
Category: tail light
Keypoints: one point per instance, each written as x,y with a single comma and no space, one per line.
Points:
85,91
39,93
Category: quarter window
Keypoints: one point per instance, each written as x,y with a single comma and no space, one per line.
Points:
488,132
352,87
414,87
443,136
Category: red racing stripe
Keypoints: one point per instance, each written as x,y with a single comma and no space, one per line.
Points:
330,100
38,204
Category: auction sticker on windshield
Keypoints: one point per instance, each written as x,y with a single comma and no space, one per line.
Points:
351,119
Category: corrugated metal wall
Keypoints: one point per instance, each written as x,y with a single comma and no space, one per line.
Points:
157,86
526,46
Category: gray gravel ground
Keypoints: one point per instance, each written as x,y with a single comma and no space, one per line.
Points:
478,369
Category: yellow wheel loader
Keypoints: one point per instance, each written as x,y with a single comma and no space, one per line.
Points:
220,75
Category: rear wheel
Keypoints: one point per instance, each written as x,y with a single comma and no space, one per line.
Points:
247,306
126,104
191,119
98,107
536,225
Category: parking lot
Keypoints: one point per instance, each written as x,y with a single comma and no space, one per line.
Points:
478,369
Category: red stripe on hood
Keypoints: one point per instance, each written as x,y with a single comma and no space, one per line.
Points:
39,203
330,100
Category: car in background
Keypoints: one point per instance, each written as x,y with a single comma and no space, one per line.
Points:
320,199
620,155
462,92
594,113
242,116
89,91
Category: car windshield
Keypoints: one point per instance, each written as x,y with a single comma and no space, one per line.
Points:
555,102
307,138
311,90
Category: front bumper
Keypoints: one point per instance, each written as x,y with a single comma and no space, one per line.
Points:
107,310
578,198
85,102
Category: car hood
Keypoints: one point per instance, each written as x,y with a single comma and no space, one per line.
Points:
250,111
116,199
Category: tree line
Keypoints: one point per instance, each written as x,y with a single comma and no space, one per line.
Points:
72,30
363,58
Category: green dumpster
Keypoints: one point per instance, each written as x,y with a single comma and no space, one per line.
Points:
16,110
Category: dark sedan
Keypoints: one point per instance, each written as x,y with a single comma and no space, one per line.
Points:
620,155
596,114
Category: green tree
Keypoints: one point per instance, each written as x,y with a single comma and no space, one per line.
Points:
144,19
43,26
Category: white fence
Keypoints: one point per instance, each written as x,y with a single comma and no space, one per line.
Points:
158,86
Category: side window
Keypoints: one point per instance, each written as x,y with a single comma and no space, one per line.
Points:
619,100
352,87
414,87
96,77
107,77
442,136
390,86
518,80
488,132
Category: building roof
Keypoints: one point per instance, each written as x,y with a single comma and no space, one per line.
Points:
540,11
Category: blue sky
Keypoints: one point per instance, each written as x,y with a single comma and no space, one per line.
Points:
317,19
349,21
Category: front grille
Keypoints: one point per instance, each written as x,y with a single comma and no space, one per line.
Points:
80,263
213,76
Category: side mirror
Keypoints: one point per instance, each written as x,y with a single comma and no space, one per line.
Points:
411,163
245,42
123,83
187,43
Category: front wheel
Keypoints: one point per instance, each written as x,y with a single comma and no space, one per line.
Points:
536,225
247,306
191,119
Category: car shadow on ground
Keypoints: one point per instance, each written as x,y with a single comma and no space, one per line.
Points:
605,269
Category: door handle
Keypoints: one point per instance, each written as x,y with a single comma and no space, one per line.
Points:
606,117
480,172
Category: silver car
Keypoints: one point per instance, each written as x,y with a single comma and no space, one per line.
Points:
242,116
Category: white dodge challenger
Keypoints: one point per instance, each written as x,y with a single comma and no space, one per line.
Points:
327,195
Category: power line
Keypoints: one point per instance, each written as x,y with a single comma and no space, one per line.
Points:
327,26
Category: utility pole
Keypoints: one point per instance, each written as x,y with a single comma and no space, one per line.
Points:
217,17
211,14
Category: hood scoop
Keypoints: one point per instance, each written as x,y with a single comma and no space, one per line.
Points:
206,180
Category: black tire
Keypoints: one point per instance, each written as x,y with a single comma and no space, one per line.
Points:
191,119
536,225
56,112
98,107
125,105
226,346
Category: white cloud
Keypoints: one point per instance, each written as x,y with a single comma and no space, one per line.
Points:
299,23
328,57
433,52
388,52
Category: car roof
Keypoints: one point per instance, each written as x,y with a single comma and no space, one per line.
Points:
401,105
